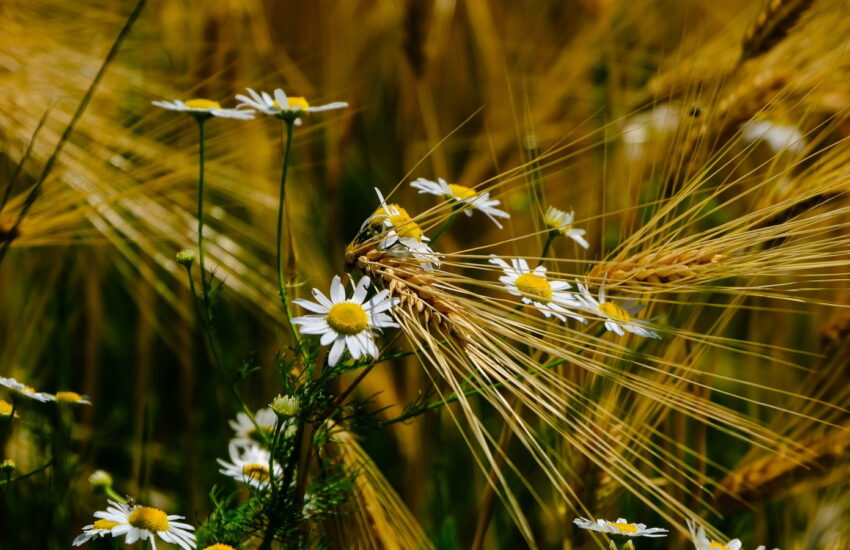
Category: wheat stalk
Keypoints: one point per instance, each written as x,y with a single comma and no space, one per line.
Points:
772,26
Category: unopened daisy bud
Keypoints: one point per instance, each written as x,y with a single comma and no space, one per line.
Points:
100,480
286,406
7,467
186,257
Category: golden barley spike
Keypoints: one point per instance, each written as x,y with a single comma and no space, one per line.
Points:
772,26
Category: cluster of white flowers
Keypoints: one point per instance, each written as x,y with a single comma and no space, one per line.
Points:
43,397
623,527
276,104
552,298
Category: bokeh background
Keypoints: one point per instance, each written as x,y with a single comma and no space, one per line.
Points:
93,301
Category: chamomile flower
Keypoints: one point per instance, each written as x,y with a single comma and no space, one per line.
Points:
618,318
347,323
402,237
702,542
620,527
139,523
249,464
205,107
562,222
72,398
534,288
246,431
282,106
25,390
462,194
100,528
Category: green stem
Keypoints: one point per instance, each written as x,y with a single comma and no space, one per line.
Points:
281,284
28,474
110,492
201,156
445,226
549,240
207,314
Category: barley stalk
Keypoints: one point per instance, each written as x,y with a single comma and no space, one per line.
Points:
772,26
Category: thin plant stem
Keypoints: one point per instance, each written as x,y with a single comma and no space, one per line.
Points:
281,284
38,470
549,240
448,223
206,315
202,138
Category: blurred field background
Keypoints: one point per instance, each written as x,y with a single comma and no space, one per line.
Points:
93,301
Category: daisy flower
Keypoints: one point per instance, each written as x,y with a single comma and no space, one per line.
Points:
139,523
281,106
404,237
72,397
618,318
246,431
462,194
100,528
620,527
249,464
205,107
702,542
533,288
562,222
348,323
25,390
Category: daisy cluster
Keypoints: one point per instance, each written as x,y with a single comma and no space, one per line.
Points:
623,527
29,392
276,104
553,298
250,460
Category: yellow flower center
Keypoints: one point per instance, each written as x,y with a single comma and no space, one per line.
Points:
298,102
219,546
624,527
105,524
5,408
347,318
718,546
256,471
612,310
28,389
152,519
68,397
294,103
202,104
401,221
534,287
462,191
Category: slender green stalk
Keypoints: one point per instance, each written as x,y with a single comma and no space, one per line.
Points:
549,240
202,138
448,223
38,470
281,284
206,315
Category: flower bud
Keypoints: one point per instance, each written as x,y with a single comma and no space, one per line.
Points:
285,406
186,257
100,480
7,467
